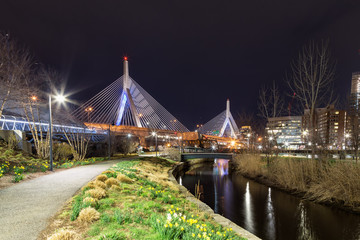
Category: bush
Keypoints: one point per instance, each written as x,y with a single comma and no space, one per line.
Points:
111,181
64,234
102,178
62,152
123,178
99,184
88,215
97,193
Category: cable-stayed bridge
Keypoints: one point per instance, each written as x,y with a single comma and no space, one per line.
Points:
125,107
125,103
223,125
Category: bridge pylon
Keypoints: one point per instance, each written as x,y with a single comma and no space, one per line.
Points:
221,125
125,103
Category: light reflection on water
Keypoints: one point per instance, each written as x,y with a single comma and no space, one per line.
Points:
266,212
249,222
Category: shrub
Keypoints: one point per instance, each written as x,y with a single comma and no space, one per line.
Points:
88,186
102,178
97,193
64,234
122,178
111,181
88,215
62,152
99,184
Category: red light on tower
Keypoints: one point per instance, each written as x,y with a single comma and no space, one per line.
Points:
125,58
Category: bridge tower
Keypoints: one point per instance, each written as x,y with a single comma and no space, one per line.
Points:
126,104
126,97
221,125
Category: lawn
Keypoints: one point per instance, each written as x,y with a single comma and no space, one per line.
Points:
134,200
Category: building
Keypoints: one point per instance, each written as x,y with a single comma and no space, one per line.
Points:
330,127
355,93
244,136
286,131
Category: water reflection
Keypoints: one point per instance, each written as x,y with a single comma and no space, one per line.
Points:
304,230
268,213
249,223
270,217
221,167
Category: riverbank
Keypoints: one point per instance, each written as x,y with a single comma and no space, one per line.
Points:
135,200
332,183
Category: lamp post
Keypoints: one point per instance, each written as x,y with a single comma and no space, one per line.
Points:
347,135
60,99
89,110
155,135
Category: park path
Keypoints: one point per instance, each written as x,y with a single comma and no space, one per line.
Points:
25,208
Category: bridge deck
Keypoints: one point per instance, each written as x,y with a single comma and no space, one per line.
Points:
187,156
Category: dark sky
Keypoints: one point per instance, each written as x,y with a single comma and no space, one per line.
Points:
189,55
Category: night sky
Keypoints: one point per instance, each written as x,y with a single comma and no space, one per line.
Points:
189,55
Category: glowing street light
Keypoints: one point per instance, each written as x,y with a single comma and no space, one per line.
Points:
34,98
60,99
89,110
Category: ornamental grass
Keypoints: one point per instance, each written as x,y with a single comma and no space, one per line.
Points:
97,193
102,178
123,178
64,234
111,181
100,184
88,215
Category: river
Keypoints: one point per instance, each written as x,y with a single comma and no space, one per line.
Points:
267,212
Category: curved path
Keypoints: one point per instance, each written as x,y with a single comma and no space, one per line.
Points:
25,208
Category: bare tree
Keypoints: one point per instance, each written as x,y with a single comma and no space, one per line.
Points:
78,142
312,80
15,66
271,105
33,97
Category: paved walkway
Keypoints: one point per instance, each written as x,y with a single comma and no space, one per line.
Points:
25,208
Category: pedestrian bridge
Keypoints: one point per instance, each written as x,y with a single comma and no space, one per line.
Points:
187,156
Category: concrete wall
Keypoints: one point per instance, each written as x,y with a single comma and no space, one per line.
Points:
20,137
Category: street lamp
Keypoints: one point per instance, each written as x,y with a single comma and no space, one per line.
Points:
155,135
249,135
347,135
89,110
59,99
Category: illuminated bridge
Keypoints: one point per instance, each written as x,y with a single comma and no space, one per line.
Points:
124,107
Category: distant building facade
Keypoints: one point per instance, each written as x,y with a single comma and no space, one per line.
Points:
330,127
244,136
286,131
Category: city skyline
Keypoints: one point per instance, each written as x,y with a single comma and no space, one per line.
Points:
208,52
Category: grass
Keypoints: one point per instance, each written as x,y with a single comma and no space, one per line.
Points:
147,207
329,181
